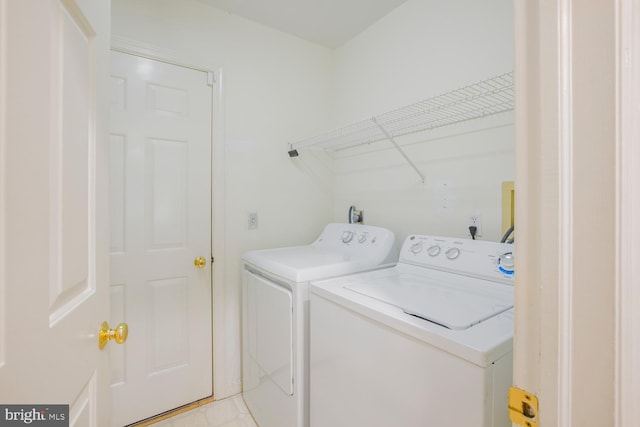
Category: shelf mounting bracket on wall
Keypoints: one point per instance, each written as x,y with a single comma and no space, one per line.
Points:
400,150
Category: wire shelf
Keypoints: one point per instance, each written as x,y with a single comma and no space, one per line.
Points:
478,100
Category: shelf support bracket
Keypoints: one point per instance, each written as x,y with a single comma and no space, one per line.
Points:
400,150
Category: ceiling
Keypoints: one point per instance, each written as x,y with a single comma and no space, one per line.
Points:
329,23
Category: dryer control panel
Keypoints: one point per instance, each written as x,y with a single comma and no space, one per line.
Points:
489,260
359,240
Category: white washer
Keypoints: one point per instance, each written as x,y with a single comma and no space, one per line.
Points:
425,343
275,354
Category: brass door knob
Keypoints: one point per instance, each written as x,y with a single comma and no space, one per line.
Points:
200,262
119,334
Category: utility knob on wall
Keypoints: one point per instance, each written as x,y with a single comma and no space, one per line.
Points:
355,216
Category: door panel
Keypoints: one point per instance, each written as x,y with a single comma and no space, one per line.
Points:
270,330
167,189
53,261
72,280
161,221
117,145
168,316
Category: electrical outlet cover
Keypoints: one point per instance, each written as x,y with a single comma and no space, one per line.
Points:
253,220
475,219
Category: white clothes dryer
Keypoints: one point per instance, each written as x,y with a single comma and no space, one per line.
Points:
425,343
275,317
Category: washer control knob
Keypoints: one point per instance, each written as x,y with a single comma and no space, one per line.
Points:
416,248
347,236
452,253
433,250
362,238
506,263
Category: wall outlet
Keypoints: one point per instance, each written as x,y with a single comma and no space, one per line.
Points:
476,220
253,220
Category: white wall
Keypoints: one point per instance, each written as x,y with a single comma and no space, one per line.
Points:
422,49
275,86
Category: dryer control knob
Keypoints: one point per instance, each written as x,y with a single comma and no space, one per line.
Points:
452,253
347,236
362,238
416,248
433,250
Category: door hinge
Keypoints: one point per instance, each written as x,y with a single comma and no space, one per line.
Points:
523,407
211,78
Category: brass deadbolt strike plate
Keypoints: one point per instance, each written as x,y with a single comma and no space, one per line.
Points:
523,408
119,334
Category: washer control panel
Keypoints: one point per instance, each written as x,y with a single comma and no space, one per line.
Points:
490,260
506,263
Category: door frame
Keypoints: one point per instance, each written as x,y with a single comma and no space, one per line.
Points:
218,233
627,387
567,209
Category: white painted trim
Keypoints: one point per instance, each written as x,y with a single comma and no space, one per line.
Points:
3,144
620,297
149,51
218,197
566,281
627,387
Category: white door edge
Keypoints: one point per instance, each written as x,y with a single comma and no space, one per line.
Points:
126,45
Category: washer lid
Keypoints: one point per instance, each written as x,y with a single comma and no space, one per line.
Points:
450,300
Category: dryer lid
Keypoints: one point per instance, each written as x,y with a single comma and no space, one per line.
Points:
450,300
304,263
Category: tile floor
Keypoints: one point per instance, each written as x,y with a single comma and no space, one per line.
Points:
230,412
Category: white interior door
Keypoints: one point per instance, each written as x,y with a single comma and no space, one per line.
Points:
53,203
160,223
